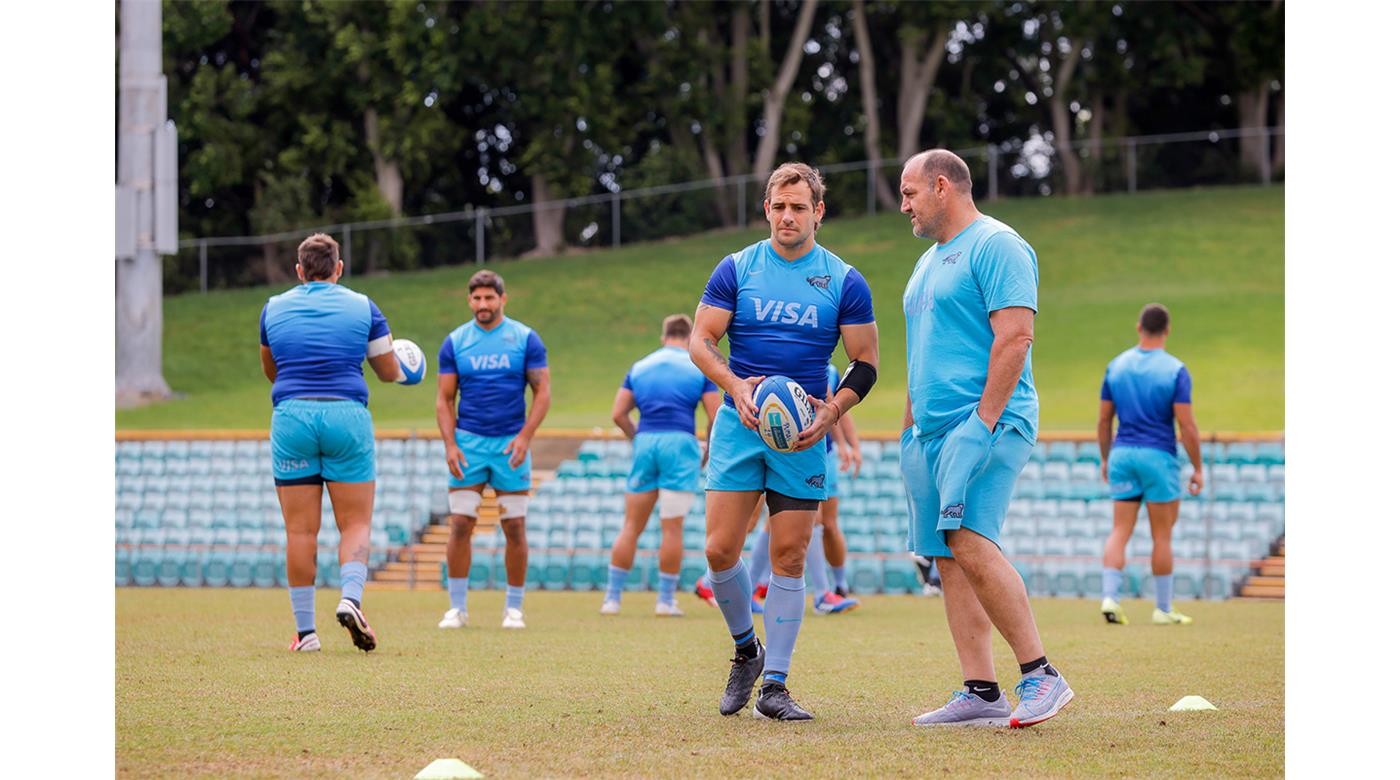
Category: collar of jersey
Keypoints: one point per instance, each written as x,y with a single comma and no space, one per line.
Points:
963,232
317,284
772,253
497,329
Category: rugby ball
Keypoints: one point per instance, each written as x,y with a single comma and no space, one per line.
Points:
411,361
783,412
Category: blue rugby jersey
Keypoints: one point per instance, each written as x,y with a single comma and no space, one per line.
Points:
319,334
1143,384
667,387
948,334
787,314
490,366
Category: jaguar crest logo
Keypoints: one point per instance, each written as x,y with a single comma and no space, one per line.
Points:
817,481
953,258
821,282
954,511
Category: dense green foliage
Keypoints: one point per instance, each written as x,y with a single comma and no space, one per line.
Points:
1215,257
293,114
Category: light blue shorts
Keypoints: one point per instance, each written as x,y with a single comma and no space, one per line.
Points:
321,441
669,460
739,460
833,474
1143,474
487,463
961,480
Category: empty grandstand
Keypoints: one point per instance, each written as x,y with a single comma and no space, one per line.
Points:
202,512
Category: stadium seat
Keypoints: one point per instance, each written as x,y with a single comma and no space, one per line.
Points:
265,569
588,571
866,574
1067,581
1087,452
554,572
478,577
1269,453
900,576
123,567
1041,453
1061,452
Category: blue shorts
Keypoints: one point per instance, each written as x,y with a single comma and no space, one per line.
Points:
739,460
833,474
1143,474
488,463
669,460
961,480
321,441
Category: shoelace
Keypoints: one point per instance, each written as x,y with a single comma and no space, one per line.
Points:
958,698
1031,684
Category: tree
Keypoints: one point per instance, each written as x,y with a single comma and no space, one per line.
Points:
775,96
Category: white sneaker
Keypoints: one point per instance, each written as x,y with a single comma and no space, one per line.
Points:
512,618
611,607
932,590
668,610
453,618
307,644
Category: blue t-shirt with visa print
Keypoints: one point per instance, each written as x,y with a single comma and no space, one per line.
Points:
787,313
319,334
490,366
1143,385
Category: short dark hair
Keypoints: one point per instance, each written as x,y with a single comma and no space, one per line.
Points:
676,326
1154,319
317,257
486,278
941,162
792,173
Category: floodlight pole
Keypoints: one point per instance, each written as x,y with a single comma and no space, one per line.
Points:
145,204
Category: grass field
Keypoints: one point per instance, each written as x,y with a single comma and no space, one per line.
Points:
1214,256
205,688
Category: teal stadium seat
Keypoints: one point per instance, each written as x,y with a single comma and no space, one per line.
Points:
478,577
555,572
587,571
693,567
867,575
265,569
240,573
123,573
900,576
1061,451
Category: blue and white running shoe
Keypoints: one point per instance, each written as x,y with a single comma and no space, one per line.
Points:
1042,696
967,709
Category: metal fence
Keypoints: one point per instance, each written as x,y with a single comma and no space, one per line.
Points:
1016,168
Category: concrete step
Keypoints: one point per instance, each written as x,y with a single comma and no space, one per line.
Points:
1262,591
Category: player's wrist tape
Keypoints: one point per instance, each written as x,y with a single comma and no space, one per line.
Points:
859,378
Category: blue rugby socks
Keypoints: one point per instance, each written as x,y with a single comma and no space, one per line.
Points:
352,581
304,609
1112,583
666,588
759,564
816,565
617,577
457,592
515,596
733,591
782,617
1163,588
838,578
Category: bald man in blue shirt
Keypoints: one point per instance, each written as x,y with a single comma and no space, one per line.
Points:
1148,390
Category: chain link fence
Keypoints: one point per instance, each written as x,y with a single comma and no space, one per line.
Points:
1018,168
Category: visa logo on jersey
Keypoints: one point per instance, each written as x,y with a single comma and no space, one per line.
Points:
479,362
785,313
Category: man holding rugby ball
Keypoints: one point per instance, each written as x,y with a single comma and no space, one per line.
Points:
784,303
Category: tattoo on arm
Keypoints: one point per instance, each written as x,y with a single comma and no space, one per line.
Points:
714,351
534,376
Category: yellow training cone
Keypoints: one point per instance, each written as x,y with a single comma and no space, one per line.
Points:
448,769
1192,704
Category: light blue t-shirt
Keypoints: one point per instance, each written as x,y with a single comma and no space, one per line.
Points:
948,334
667,386
490,366
787,314
1143,384
319,334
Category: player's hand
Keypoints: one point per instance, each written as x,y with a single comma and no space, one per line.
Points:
1103,471
827,413
742,393
518,449
851,460
1197,482
456,461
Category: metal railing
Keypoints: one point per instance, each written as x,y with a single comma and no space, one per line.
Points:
1012,168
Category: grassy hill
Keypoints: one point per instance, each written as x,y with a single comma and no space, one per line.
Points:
1213,256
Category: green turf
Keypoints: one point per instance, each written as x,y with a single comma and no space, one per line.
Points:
205,687
1214,256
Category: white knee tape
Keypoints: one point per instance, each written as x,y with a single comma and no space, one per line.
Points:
463,502
513,506
675,503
